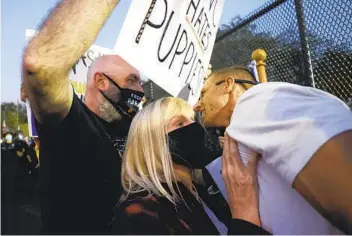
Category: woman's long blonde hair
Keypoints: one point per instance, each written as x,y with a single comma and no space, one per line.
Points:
147,160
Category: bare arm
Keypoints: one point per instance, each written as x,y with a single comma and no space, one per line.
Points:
64,36
326,181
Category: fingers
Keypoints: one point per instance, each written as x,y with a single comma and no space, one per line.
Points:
231,157
234,153
225,152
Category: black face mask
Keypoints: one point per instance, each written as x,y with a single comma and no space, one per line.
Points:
187,147
128,101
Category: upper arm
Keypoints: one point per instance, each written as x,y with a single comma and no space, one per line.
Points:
49,92
325,182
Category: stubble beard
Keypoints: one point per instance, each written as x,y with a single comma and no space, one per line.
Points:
106,110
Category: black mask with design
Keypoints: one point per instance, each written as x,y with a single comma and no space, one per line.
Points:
127,104
187,147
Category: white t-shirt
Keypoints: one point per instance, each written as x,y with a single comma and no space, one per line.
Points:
286,124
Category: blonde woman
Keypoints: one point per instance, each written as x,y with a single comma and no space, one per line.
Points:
163,146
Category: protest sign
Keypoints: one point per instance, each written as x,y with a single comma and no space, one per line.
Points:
31,124
77,76
171,42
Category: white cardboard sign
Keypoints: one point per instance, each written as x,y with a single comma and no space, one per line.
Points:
171,42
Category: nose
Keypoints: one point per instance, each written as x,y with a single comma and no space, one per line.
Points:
198,106
140,88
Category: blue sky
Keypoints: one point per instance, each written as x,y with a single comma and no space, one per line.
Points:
19,15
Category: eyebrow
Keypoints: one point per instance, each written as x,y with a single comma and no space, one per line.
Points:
135,76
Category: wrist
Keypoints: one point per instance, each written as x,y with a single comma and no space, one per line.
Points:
249,214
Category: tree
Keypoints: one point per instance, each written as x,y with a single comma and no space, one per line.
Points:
277,32
15,116
282,45
332,73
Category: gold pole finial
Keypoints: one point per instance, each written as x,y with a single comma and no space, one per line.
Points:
260,56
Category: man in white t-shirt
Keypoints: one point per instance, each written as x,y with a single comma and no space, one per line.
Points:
304,136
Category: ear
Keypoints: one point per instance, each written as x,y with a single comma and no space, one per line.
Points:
23,94
100,81
229,84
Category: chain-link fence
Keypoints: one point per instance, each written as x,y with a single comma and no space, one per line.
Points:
308,42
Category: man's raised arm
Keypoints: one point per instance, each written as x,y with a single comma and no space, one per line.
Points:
64,37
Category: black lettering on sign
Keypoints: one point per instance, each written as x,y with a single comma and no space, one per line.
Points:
86,63
185,60
213,6
74,67
206,35
199,81
147,22
199,21
163,36
194,59
204,23
194,6
178,51
199,63
90,55
84,60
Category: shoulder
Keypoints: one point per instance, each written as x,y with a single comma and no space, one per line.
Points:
280,101
270,90
285,91
79,117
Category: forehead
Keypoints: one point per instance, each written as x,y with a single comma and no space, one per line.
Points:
125,73
211,82
123,65
120,68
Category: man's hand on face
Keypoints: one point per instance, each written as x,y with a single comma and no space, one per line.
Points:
241,183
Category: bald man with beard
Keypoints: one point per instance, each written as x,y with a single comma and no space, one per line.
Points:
304,136
80,140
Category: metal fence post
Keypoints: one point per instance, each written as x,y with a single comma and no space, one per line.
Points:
307,62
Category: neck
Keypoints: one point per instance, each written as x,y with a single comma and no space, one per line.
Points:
184,175
92,104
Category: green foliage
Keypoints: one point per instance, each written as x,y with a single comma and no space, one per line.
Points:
15,115
330,58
